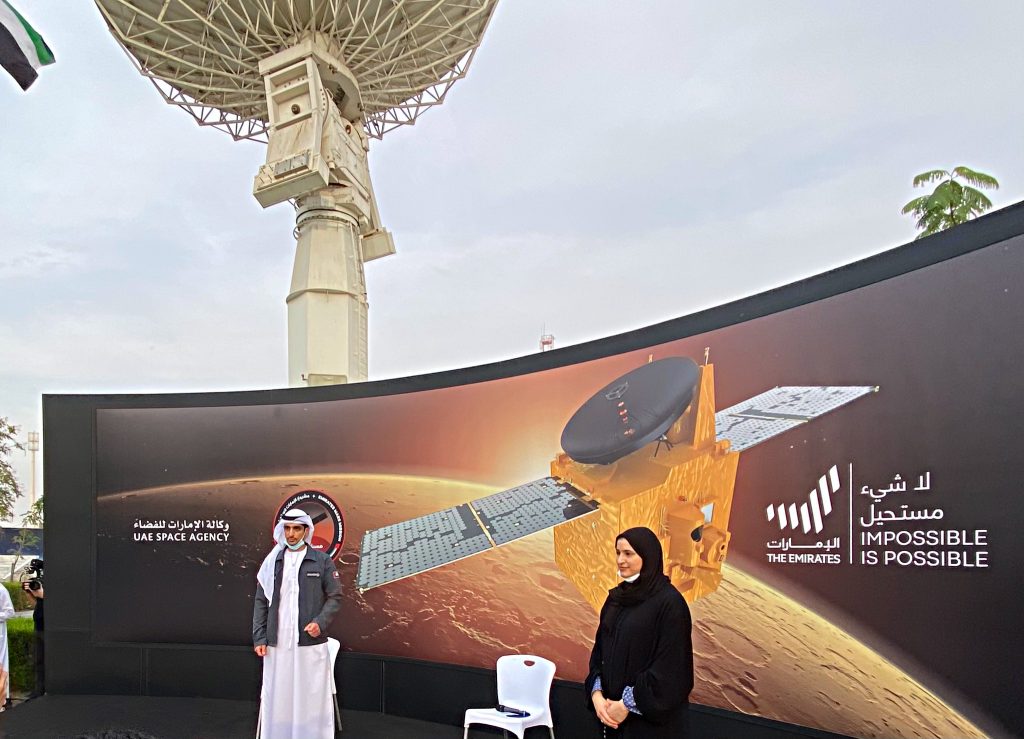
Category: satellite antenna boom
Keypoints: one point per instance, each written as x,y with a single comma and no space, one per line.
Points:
316,79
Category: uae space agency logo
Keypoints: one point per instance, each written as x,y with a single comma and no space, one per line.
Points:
802,520
328,521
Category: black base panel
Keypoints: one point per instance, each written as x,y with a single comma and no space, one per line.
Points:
382,694
67,716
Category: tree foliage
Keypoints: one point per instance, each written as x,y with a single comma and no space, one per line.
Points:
25,539
950,203
34,515
10,490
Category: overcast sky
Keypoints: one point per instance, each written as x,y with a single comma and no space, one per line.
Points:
606,165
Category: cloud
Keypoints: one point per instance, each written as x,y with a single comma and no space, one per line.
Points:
36,260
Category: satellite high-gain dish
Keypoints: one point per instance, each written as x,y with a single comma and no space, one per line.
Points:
631,411
315,79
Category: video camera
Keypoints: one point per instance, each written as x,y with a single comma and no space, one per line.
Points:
32,575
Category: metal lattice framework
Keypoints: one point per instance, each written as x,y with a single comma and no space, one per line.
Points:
203,55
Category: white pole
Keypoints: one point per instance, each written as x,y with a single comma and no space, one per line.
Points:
33,447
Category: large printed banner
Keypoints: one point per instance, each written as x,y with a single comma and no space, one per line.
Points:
837,487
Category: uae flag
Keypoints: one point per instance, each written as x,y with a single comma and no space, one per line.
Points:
22,50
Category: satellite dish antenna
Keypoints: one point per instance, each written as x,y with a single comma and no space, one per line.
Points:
631,411
315,79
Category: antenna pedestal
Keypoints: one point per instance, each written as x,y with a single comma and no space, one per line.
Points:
316,155
327,308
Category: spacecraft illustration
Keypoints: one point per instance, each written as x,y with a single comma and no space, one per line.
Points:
648,449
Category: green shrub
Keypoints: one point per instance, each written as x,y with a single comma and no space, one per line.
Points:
21,600
21,652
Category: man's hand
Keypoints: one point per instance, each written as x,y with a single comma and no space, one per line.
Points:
36,594
313,629
261,650
601,705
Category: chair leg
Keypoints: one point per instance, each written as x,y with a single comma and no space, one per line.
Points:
337,716
551,730
465,734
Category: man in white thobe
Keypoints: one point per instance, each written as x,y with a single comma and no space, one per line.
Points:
297,595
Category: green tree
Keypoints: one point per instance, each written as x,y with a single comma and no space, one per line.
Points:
950,203
10,490
25,539
34,516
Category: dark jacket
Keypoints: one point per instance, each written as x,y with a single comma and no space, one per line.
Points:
319,599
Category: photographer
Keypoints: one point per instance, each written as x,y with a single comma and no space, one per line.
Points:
34,588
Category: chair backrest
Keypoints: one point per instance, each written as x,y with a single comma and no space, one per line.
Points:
333,647
524,681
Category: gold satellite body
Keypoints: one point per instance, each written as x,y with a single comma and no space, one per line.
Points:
682,490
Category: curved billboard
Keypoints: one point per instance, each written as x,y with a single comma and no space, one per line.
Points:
834,483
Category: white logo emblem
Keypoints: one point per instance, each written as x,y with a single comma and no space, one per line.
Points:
811,513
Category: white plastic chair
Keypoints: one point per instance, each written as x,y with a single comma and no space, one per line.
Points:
524,682
334,646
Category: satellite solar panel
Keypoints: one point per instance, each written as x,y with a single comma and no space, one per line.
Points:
535,506
410,547
778,410
419,544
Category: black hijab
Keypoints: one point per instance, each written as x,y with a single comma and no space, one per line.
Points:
652,572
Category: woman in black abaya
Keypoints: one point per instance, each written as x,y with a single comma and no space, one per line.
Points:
641,667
